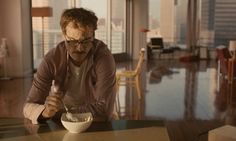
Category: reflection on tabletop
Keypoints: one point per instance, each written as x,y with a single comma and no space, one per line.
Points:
225,102
22,129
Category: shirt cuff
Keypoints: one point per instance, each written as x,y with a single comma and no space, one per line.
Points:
32,111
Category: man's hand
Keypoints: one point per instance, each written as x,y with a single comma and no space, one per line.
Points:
52,105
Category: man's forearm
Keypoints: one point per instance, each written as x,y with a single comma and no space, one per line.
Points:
32,111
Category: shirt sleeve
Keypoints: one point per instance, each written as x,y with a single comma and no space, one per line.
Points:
40,89
105,92
32,111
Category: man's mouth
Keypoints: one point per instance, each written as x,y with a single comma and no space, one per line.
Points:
79,53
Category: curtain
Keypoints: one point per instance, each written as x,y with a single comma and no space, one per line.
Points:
192,25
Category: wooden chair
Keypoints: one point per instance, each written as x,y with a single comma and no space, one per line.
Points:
131,77
156,45
226,64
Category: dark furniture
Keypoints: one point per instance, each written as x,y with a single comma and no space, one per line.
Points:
156,46
226,64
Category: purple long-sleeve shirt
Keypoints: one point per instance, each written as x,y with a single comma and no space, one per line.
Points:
96,87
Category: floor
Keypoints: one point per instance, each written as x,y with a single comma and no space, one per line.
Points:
189,97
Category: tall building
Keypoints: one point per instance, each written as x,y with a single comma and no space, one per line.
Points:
207,9
181,21
225,21
218,22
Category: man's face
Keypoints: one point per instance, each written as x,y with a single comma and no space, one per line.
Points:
78,42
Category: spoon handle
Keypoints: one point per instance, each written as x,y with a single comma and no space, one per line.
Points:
67,110
55,88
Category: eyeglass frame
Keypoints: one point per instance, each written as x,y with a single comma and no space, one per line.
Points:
78,42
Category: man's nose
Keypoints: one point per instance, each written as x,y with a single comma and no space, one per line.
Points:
79,48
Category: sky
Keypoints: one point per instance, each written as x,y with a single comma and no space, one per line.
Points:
154,8
98,6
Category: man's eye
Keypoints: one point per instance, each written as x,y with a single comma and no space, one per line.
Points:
83,42
73,42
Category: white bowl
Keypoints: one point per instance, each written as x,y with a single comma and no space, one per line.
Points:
79,126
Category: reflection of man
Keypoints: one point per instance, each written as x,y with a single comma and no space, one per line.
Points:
220,101
3,48
158,72
81,66
224,102
230,115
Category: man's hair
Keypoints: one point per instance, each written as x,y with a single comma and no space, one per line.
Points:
82,16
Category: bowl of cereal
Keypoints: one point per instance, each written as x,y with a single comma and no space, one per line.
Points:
76,122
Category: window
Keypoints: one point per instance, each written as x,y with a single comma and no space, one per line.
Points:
217,22
167,19
46,30
111,24
118,24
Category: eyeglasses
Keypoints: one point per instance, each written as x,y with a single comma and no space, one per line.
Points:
73,43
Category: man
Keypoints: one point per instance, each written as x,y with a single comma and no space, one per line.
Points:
81,67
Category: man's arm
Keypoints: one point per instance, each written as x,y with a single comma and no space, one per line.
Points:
34,105
105,91
32,111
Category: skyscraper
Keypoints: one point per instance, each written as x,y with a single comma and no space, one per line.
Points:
225,21
218,22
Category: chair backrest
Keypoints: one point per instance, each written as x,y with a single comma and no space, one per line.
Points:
223,55
157,42
140,61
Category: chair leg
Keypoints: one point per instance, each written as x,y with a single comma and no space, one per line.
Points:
230,71
117,102
137,110
138,86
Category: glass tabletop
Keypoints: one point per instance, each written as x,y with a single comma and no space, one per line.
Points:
15,127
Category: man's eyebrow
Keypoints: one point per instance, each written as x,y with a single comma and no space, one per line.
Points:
70,38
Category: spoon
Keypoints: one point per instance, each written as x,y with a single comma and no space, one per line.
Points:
69,115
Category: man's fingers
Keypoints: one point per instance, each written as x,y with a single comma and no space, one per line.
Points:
53,103
54,98
52,108
56,95
49,111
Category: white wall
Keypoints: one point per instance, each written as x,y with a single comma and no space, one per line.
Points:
167,19
15,26
1,14
140,20
27,47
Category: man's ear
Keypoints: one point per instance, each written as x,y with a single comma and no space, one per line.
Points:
90,31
